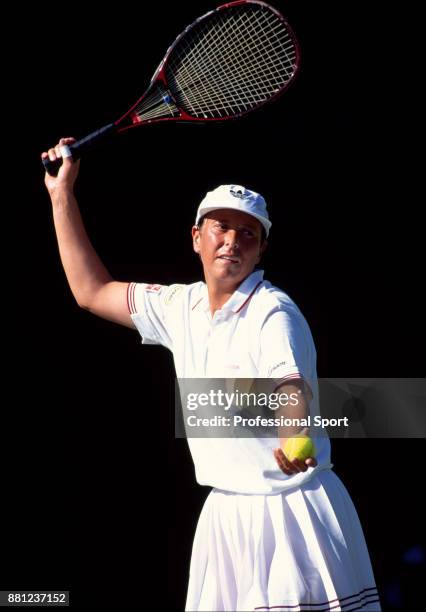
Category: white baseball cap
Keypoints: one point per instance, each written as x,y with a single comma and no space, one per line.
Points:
235,197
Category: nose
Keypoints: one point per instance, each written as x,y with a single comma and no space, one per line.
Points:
231,239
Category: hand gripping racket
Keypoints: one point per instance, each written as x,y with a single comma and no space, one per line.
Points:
228,62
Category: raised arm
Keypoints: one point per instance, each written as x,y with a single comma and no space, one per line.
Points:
91,284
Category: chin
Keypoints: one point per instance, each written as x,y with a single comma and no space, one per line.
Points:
236,278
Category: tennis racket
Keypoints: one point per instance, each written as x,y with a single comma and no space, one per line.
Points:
227,63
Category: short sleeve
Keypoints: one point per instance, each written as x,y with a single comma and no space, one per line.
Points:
286,348
149,307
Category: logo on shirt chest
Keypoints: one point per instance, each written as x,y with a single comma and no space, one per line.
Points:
172,292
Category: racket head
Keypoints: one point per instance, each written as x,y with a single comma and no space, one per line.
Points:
228,62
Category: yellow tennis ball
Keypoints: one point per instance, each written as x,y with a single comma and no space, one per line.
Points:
299,447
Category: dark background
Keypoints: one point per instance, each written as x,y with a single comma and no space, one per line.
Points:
98,497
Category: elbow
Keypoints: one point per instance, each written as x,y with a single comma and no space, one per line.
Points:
83,305
83,302
92,298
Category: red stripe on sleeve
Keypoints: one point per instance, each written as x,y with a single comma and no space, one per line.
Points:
285,379
131,304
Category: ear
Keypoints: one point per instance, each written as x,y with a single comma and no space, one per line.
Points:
195,238
262,249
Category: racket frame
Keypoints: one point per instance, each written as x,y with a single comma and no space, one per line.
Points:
159,77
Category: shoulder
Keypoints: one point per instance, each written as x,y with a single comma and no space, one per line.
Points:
275,310
269,299
278,314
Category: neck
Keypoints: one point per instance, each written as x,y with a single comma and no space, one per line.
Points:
219,292
217,299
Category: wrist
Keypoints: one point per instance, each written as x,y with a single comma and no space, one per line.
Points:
62,196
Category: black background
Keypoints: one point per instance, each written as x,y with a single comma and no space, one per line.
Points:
98,497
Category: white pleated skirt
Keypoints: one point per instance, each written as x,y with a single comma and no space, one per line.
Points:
300,550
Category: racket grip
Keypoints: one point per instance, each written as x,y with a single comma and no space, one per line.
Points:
80,147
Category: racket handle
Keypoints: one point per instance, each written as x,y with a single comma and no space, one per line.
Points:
80,147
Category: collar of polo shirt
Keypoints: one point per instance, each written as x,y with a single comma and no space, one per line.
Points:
240,296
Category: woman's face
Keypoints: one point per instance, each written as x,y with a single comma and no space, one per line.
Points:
229,243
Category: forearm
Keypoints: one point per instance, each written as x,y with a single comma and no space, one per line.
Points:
84,270
297,409
294,460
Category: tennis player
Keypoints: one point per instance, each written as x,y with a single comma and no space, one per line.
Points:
273,534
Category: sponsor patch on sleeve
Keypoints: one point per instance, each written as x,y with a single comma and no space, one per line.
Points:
153,288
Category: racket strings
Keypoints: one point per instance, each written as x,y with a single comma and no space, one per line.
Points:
200,62
263,80
255,71
196,68
154,106
265,83
252,53
233,64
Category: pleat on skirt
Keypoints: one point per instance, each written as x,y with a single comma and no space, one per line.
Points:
303,549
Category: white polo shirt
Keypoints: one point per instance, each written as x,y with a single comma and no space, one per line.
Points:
258,333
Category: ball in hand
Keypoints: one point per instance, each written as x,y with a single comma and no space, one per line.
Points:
299,447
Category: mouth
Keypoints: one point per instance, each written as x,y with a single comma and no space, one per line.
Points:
228,258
